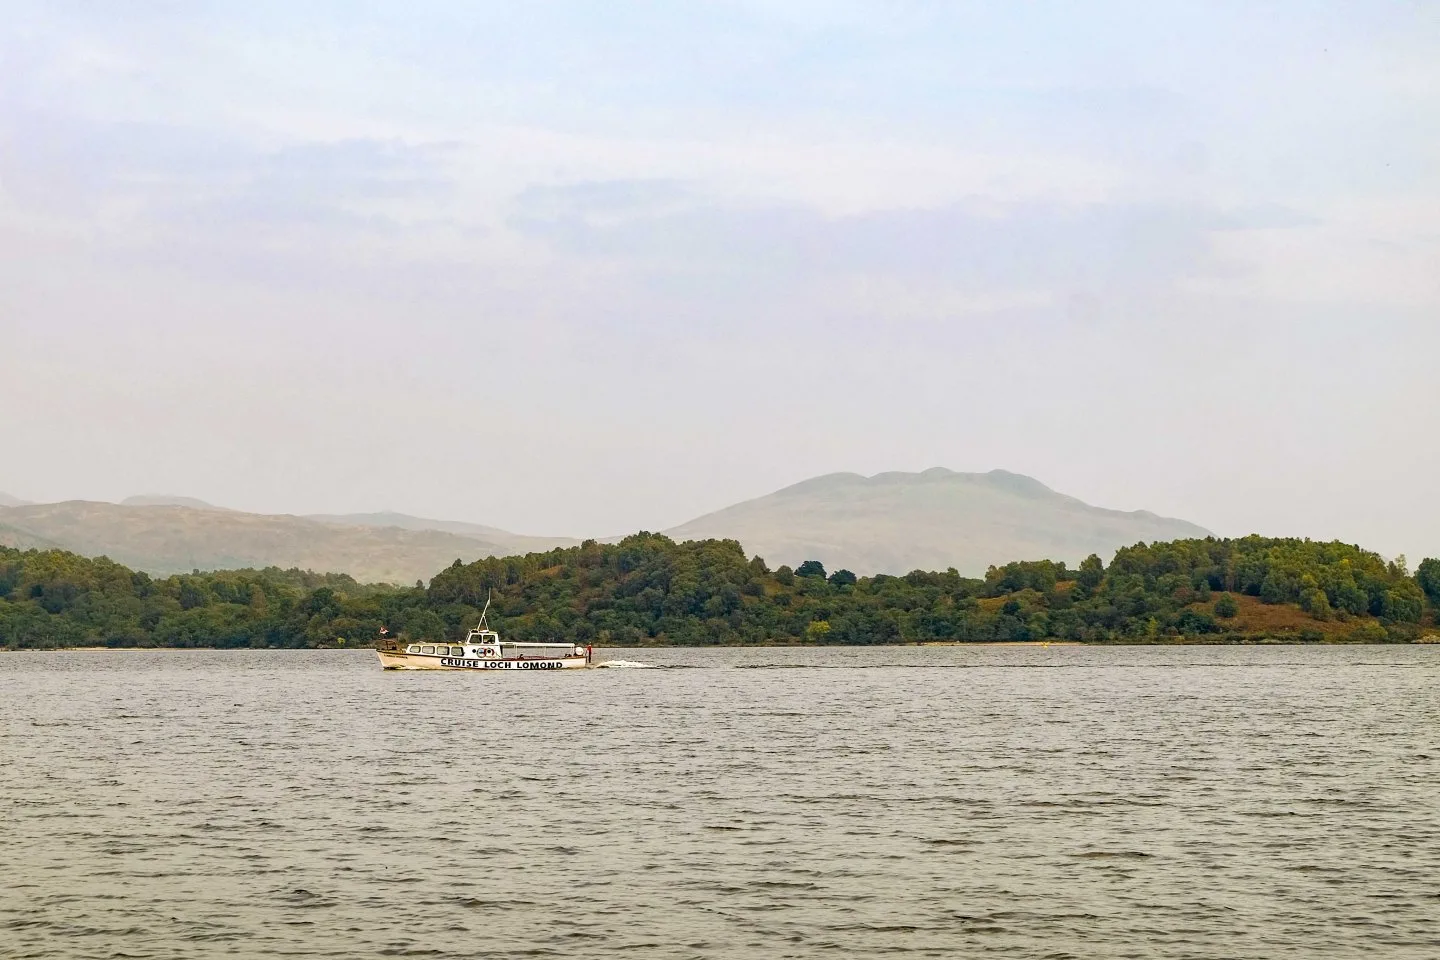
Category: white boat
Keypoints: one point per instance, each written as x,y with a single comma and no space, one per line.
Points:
484,650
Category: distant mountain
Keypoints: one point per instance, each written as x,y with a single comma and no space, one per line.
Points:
889,523
8,501
898,522
168,539
168,500
512,543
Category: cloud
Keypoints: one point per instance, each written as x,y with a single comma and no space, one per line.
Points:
343,213
72,167
980,247
722,245
596,198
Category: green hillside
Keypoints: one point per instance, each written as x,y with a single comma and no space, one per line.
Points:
649,590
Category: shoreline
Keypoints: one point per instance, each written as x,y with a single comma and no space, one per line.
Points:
1427,641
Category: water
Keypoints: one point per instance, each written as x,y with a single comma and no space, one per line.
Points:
1042,802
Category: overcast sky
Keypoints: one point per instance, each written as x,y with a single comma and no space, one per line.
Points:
584,268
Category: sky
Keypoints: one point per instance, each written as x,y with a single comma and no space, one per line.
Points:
581,269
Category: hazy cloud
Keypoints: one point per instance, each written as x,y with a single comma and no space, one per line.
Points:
976,247
584,269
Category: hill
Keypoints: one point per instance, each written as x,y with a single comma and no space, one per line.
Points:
649,590
8,501
505,541
889,523
168,539
169,500
897,522
23,539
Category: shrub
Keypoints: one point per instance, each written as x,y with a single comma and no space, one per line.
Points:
1193,622
1369,632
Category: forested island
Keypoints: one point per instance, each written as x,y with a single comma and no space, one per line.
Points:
648,590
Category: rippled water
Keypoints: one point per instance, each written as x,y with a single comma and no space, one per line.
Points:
1043,802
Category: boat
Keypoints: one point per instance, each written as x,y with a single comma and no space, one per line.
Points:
483,650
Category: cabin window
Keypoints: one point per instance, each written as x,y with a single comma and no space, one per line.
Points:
457,651
413,648
428,648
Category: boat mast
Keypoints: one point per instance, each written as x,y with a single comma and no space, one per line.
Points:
486,610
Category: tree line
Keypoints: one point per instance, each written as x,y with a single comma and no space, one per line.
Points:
649,590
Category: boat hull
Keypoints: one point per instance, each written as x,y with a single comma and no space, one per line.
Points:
391,660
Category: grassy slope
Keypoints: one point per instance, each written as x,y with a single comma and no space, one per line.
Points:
11,536
1281,620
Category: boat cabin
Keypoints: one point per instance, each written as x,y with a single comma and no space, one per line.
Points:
485,644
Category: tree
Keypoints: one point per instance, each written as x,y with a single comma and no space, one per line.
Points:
648,589
1404,602
1427,575
1348,596
811,568
192,595
1192,622
1314,602
1039,575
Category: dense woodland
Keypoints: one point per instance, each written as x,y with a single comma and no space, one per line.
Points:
649,590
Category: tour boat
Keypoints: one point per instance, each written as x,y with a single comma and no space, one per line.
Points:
483,650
